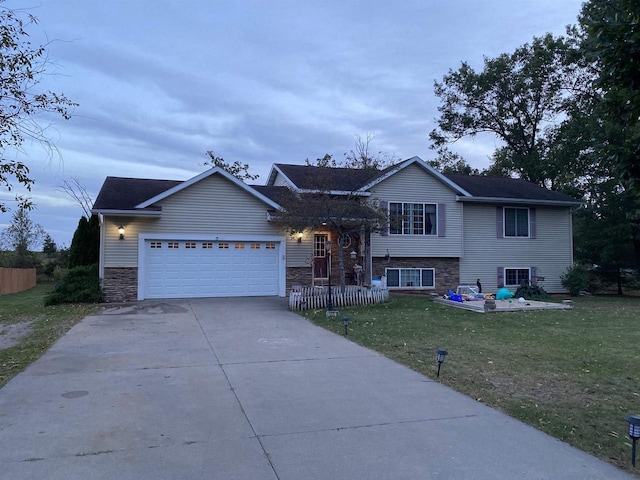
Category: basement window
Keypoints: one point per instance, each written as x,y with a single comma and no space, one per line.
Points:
411,277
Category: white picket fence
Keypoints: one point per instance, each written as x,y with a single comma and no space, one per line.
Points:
305,298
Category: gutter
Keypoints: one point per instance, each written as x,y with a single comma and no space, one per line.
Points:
519,201
128,213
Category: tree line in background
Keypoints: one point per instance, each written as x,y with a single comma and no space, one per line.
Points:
566,113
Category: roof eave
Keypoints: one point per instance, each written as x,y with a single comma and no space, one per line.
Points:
356,193
127,213
519,201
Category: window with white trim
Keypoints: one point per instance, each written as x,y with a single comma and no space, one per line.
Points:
189,244
516,222
413,218
156,244
320,244
207,244
173,245
411,277
516,276
223,245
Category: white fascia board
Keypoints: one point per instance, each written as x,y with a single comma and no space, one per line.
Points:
519,201
356,193
424,165
128,213
197,178
275,171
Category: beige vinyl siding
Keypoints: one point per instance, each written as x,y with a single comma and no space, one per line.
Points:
300,254
213,206
281,181
414,184
122,253
550,252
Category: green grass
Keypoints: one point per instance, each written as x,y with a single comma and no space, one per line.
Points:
48,325
571,373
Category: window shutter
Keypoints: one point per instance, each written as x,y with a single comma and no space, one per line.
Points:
534,276
500,277
532,223
384,206
499,223
442,221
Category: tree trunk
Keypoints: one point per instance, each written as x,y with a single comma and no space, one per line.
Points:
619,278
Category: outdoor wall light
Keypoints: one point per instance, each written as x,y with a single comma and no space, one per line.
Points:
634,433
440,357
299,237
121,232
353,254
345,322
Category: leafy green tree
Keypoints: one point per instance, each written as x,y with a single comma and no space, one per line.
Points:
516,97
611,39
604,235
22,236
22,67
237,169
85,245
451,162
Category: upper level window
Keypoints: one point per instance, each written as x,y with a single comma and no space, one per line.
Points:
412,218
516,222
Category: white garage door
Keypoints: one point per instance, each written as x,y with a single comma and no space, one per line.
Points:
181,269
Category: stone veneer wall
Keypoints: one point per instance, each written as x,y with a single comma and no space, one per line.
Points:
298,276
447,271
120,284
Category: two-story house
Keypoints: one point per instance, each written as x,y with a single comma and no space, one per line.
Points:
214,235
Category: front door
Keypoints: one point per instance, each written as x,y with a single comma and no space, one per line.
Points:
320,257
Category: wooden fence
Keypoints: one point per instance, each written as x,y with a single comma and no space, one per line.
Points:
304,298
14,280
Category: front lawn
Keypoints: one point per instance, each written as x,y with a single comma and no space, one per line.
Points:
41,326
571,373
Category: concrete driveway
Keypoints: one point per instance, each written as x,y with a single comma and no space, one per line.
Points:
242,389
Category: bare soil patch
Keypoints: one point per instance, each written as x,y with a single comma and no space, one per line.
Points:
10,334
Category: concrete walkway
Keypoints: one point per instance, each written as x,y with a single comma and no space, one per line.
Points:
233,389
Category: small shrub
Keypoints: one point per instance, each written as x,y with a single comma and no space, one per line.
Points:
575,279
531,292
79,285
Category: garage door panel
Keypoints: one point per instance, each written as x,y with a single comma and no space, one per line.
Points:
210,269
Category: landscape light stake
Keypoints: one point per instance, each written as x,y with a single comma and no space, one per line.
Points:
345,322
441,354
634,433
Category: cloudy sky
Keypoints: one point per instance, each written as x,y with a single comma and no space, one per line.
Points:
259,81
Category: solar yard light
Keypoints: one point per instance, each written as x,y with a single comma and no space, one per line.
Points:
634,433
441,354
345,322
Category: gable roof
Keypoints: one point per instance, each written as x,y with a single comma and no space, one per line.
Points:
468,188
120,195
312,178
483,188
